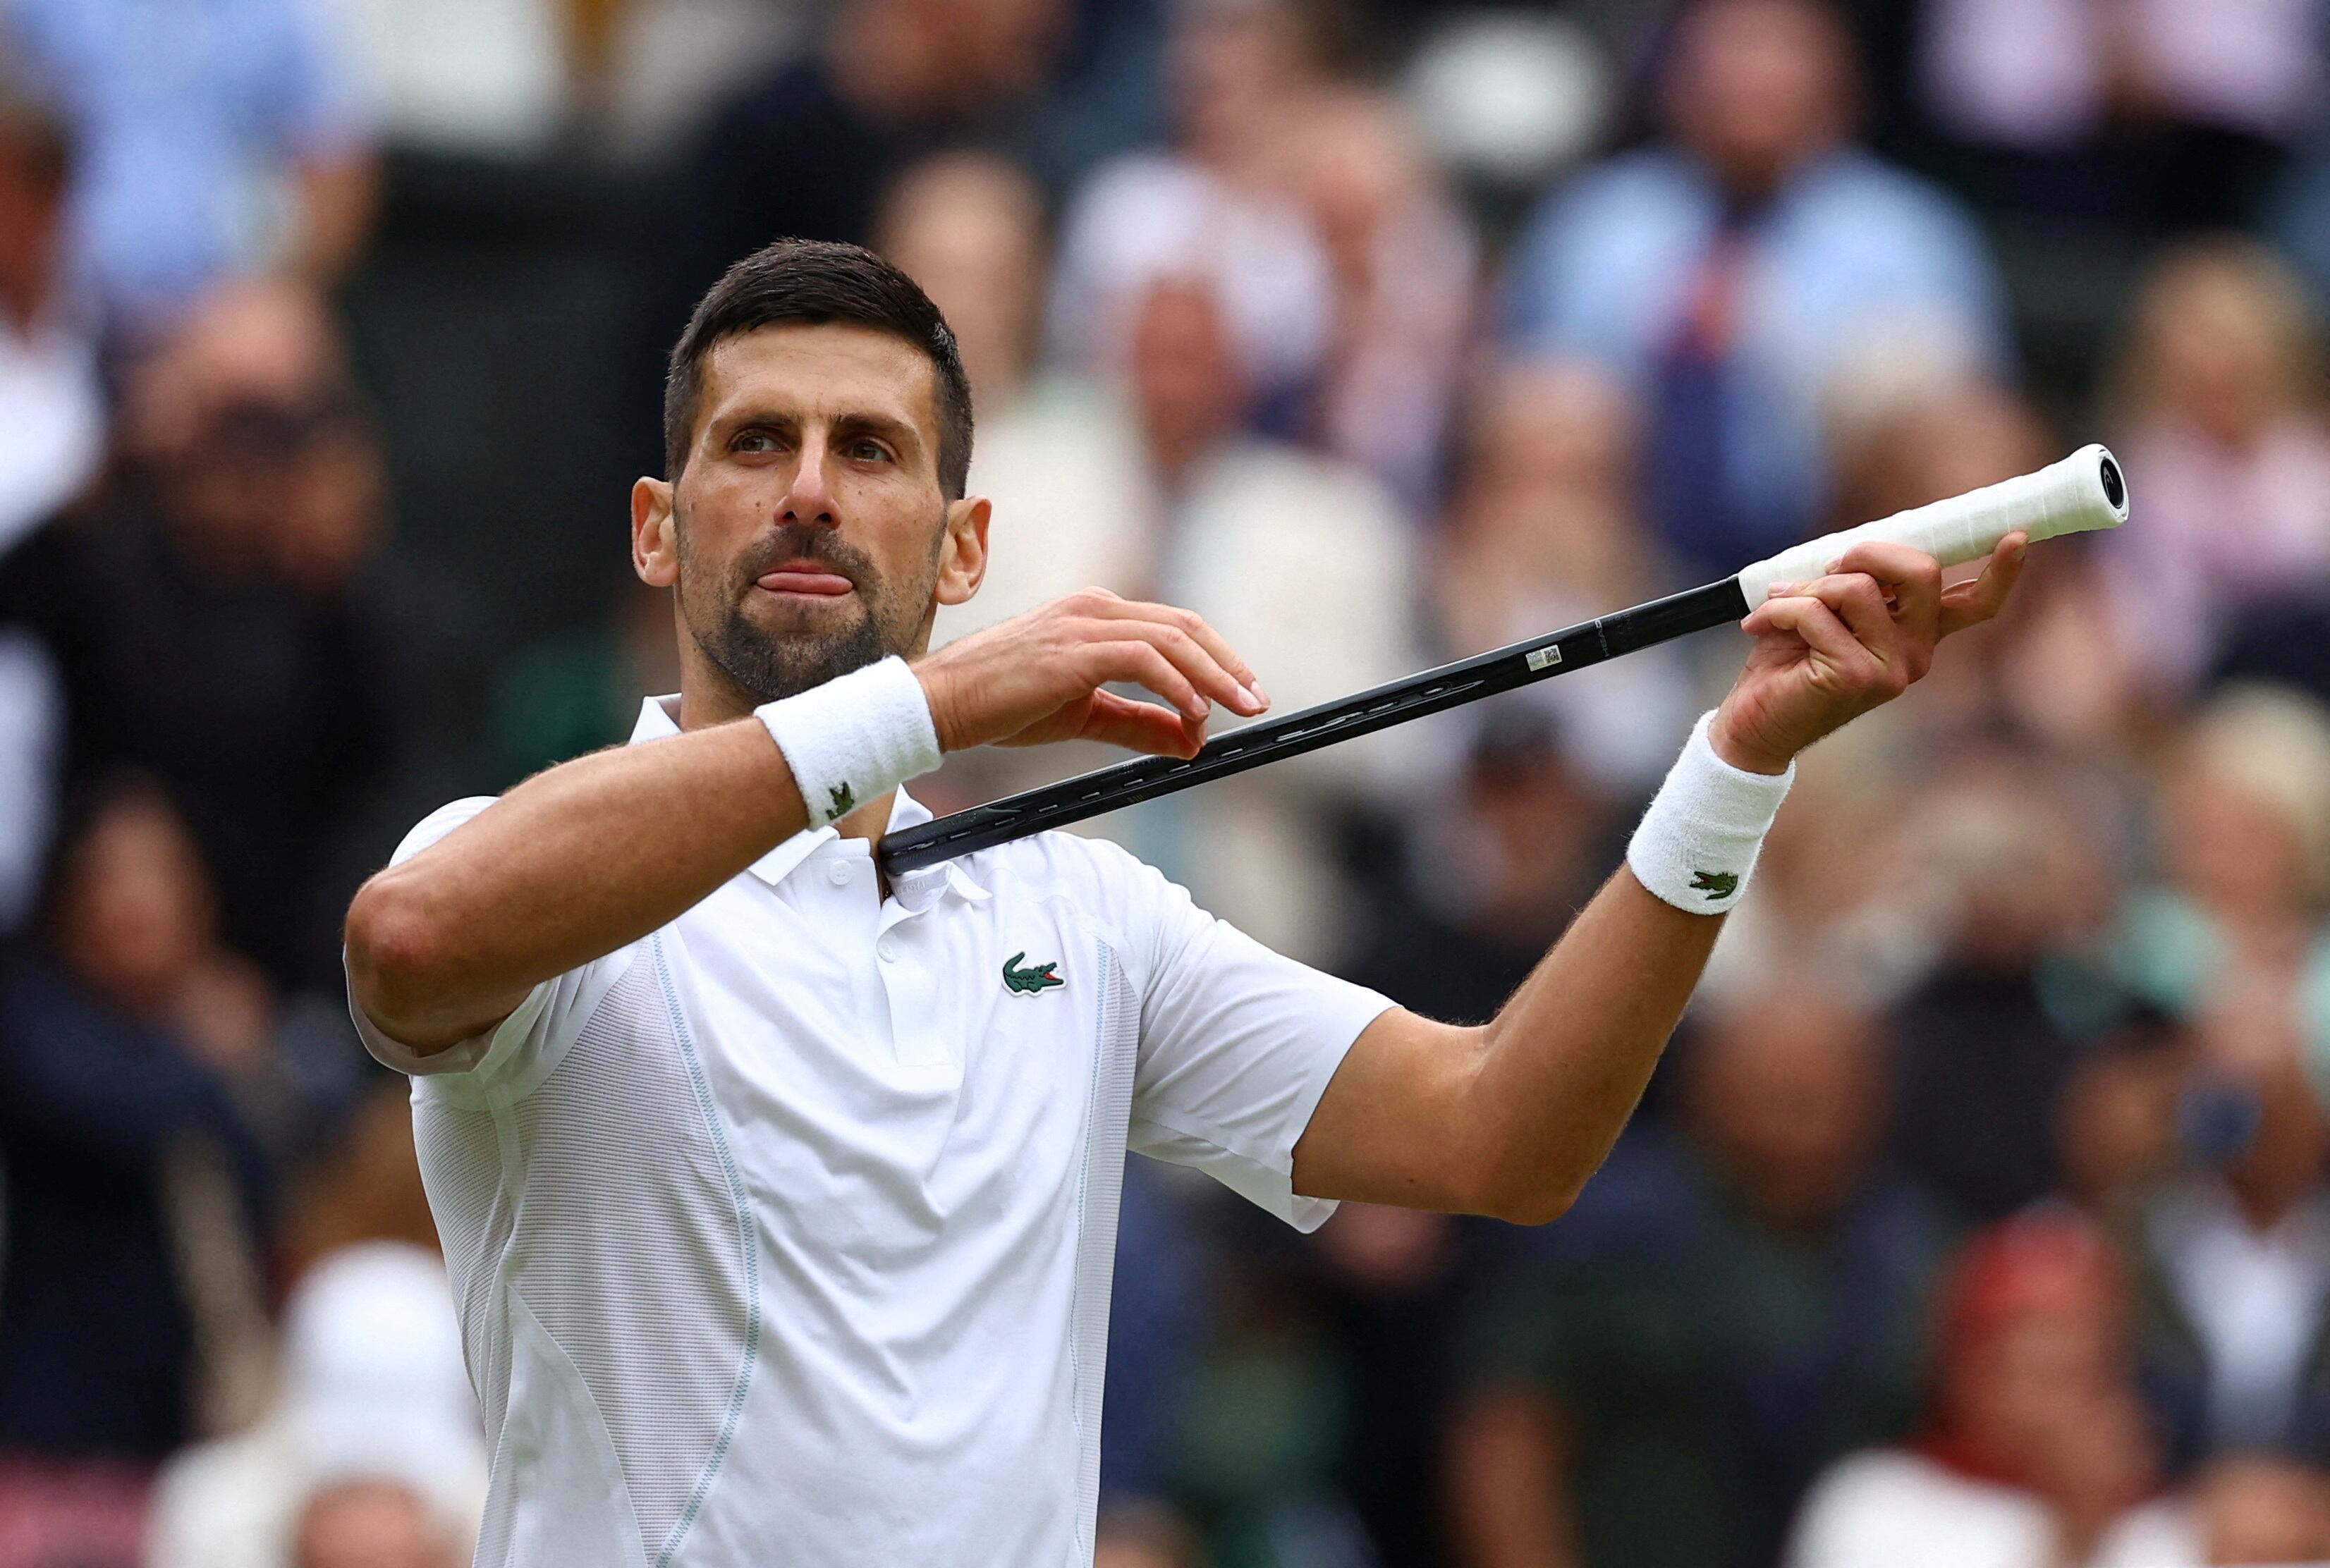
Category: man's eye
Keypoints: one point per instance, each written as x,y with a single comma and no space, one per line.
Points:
753,442
869,451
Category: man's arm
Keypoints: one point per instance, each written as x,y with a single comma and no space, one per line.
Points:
596,853
1510,1118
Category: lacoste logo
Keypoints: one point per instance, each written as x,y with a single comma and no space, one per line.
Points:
845,799
1035,977
1715,885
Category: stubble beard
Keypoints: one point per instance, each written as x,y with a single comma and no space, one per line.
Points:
767,666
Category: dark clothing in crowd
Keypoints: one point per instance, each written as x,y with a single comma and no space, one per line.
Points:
97,1352
1982,1069
263,711
2198,1409
1709,1365
1442,970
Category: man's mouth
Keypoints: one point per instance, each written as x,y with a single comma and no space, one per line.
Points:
805,577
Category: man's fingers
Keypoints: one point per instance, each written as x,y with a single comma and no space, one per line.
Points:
1817,624
1860,604
1970,603
1141,662
1142,726
1193,626
1912,578
1189,654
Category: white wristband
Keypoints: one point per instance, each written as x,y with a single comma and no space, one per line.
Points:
854,738
1698,842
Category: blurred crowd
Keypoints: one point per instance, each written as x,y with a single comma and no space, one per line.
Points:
1980,1217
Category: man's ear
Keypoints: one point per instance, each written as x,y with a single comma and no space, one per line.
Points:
963,557
655,536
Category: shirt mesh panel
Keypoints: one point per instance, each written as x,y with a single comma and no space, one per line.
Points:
461,1167
637,1257
1116,1056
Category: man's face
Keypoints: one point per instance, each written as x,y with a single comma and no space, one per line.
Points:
808,534
1759,86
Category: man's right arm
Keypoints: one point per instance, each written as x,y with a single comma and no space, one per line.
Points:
597,853
568,866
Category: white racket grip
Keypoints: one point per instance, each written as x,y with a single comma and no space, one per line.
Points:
2086,490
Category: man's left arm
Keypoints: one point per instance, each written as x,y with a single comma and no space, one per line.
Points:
1509,1119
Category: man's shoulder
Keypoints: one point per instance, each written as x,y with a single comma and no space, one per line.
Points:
1049,864
1856,191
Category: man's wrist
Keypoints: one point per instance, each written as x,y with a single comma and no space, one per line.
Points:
1729,748
1697,844
854,739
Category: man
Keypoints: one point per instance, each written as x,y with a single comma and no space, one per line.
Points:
217,141
211,624
779,1202
1728,273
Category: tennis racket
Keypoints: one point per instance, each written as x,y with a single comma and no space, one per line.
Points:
2086,490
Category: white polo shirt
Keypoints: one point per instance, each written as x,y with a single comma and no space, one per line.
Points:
785,1235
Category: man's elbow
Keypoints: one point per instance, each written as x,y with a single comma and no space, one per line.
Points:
1531,1203
1523,1196
395,950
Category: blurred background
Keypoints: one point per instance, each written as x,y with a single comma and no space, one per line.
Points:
1980,1215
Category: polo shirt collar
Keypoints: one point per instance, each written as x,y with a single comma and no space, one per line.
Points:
659,717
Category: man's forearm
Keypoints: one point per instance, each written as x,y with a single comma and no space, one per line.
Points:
1509,1119
1565,1063
570,865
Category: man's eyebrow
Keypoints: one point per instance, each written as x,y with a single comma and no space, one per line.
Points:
867,422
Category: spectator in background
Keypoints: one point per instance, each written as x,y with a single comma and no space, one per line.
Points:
2164,116
2235,1261
1544,529
133,1182
2257,1510
2116,1123
1401,259
371,1525
1214,209
51,412
2011,875
2225,443
212,141
2035,1453
1724,273
51,437
2242,825
211,623
1302,564
1058,452
810,150
372,1436
1495,875
1716,1320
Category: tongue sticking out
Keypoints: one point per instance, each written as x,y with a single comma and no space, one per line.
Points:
823,583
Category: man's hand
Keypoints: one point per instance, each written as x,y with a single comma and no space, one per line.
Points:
1828,650
1037,678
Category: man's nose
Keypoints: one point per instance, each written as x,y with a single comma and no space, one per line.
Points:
809,501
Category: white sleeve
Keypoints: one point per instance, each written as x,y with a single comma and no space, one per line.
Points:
536,1031
1237,1044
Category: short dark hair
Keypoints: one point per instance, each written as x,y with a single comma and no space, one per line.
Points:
813,282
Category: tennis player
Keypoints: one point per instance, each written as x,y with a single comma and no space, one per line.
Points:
779,1203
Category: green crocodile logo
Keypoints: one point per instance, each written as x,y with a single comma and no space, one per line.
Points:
845,800
1715,885
1035,977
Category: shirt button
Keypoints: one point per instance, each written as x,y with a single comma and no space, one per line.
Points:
838,874
886,950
